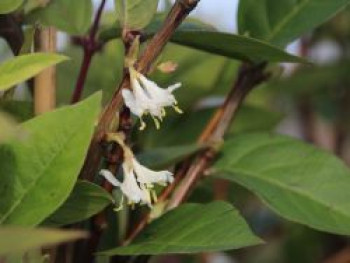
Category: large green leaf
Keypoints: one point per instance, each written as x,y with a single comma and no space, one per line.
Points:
39,171
86,200
24,67
73,17
192,228
7,6
135,14
14,240
233,46
228,45
298,181
280,22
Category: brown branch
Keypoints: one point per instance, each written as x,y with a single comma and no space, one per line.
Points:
177,14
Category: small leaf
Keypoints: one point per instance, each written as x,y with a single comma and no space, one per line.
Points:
280,22
73,17
86,200
14,240
298,181
135,14
234,46
192,228
21,68
39,171
7,6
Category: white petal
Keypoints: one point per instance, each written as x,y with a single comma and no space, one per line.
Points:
147,176
131,103
173,87
162,97
110,177
131,189
141,96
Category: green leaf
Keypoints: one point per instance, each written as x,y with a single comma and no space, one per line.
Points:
298,181
160,158
39,171
86,200
19,110
14,240
228,45
135,14
7,6
249,119
73,17
192,228
21,68
190,24
234,46
281,22
7,127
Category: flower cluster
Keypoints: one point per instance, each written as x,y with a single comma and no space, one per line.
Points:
146,97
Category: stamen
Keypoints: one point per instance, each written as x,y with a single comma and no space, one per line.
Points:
154,196
163,112
142,125
177,109
156,122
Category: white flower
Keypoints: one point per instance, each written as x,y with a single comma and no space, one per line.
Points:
147,97
138,181
129,186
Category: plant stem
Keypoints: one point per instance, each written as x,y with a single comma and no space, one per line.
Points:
90,47
177,14
79,86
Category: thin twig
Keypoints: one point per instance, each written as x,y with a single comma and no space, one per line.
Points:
177,14
90,46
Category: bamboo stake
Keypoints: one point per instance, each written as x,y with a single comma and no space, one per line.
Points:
45,82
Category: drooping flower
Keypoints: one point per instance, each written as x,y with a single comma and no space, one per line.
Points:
146,97
138,181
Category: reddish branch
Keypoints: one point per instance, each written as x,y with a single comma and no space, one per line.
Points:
177,14
90,46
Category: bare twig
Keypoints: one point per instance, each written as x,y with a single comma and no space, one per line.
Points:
177,14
